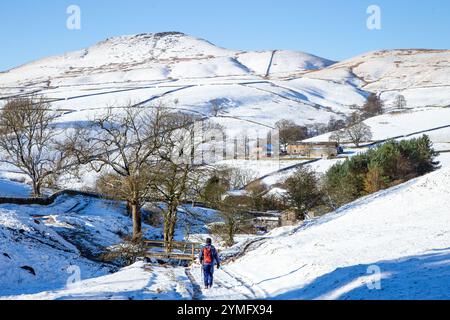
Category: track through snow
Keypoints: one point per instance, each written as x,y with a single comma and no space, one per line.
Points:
227,286
196,289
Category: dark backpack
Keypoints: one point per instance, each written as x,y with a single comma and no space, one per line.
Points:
208,255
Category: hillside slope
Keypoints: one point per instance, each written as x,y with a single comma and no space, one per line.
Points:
149,69
391,245
402,232
254,89
422,76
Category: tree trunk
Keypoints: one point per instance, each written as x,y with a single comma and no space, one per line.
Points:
169,226
36,190
137,220
230,241
128,206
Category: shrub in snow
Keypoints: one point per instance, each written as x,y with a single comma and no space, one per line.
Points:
388,165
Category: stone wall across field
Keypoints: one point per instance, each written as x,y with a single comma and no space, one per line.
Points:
45,201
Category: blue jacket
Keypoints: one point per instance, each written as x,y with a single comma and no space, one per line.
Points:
215,256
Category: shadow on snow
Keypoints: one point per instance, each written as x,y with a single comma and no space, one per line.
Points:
418,277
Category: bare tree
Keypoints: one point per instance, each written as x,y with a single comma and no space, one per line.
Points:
28,140
400,102
335,124
235,178
125,145
337,136
317,129
358,132
177,172
290,132
218,107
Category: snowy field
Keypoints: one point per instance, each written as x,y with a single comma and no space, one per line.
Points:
12,189
423,120
259,168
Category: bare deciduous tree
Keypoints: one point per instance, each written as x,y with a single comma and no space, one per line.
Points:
217,107
176,173
317,129
28,140
336,124
358,132
290,132
337,136
400,102
235,178
125,145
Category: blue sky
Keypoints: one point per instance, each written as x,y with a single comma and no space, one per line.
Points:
334,29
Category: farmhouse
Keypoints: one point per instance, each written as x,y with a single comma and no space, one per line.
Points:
314,149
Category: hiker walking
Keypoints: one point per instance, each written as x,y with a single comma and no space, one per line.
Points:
208,258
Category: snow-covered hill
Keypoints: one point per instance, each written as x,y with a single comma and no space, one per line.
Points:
422,76
369,249
168,67
261,87
161,56
252,87
435,122
404,233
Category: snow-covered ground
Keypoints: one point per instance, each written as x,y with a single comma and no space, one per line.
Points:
320,166
52,239
13,189
403,233
342,255
41,247
135,282
423,120
420,75
259,168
